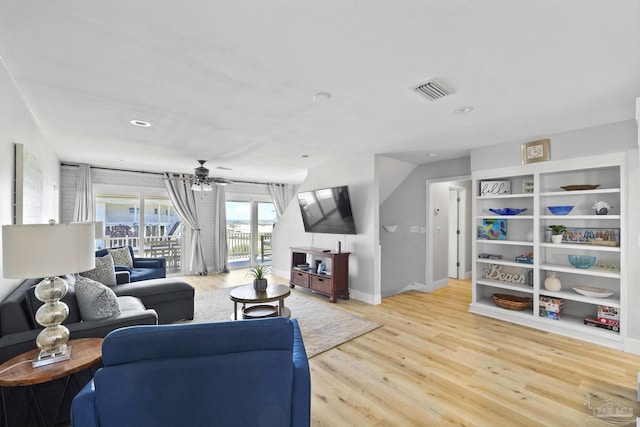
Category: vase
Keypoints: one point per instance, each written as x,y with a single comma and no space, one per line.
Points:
602,211
552,283
260,285
529,236
556,238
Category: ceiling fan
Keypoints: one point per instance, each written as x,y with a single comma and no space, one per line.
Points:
201,181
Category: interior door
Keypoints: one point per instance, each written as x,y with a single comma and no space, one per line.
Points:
454,233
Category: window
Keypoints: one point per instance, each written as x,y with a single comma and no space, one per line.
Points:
149,224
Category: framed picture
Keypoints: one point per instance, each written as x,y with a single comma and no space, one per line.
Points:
536,151
493,229
495,188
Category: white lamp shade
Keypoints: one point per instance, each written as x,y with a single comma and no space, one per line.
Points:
43,250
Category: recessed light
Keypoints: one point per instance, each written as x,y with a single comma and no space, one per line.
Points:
321,96
431,154
306,156
463,110
140,123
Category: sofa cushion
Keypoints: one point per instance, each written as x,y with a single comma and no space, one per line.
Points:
122,256
95,300
104,272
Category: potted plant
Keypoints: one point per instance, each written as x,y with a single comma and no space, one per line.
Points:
259,274
601,207
557,232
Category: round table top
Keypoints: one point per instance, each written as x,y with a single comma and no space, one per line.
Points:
246,294
84,353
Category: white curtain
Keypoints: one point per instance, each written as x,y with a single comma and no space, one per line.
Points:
281,195
220,250
184,202
83,209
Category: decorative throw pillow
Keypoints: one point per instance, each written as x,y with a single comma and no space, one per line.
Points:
95,300
104,272
122,256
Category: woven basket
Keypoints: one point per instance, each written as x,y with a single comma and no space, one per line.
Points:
511,302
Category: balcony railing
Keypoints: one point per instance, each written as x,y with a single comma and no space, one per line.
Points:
154,246
239,246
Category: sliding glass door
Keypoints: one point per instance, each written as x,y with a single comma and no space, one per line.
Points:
149,224
249,227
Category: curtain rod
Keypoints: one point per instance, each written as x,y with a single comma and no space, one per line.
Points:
159,173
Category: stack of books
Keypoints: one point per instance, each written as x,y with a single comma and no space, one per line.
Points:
607,318
551,307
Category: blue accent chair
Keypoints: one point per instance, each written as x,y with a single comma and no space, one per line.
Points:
143,268
241,373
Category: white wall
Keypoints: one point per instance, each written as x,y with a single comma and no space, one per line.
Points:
404,254
17,125
358,174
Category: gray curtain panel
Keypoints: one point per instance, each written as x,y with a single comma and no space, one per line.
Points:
83,209
184,202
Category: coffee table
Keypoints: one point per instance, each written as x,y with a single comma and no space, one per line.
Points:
247,295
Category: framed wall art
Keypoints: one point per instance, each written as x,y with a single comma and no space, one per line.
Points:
535,151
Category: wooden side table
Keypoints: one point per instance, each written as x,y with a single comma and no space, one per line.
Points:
18,372
247,295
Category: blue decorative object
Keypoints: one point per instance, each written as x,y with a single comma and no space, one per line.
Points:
582,261
507,211
560,210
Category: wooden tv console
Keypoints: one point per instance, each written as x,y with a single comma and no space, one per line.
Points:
333,285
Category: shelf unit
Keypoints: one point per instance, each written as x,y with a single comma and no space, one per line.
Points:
334,283
527,233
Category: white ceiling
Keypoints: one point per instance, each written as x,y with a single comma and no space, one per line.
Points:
233,81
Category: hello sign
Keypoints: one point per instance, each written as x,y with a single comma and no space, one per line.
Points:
495,188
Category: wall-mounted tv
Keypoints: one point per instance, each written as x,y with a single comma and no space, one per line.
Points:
327,210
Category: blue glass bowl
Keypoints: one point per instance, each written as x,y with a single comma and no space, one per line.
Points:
582,261
507,211
560,210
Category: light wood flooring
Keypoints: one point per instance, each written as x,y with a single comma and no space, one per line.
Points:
435,364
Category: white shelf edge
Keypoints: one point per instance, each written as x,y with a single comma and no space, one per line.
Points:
580,192
612,301
505,285
505,242
596,272
504,262
530,217
506,196
586,247
580,217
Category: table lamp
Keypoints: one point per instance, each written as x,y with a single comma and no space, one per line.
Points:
48,250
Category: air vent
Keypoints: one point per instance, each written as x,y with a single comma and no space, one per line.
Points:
432,90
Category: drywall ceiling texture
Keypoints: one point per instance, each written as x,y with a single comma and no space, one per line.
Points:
234,82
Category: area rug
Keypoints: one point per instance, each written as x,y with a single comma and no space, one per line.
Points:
322,326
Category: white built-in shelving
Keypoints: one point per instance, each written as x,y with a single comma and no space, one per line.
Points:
528,233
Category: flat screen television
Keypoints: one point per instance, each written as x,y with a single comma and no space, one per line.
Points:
327,210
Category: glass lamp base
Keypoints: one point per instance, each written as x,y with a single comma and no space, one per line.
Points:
48,357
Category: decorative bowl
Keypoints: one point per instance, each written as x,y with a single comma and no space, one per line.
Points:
507,211
560,210
582,261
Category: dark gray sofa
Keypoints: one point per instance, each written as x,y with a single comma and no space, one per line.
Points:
147,302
